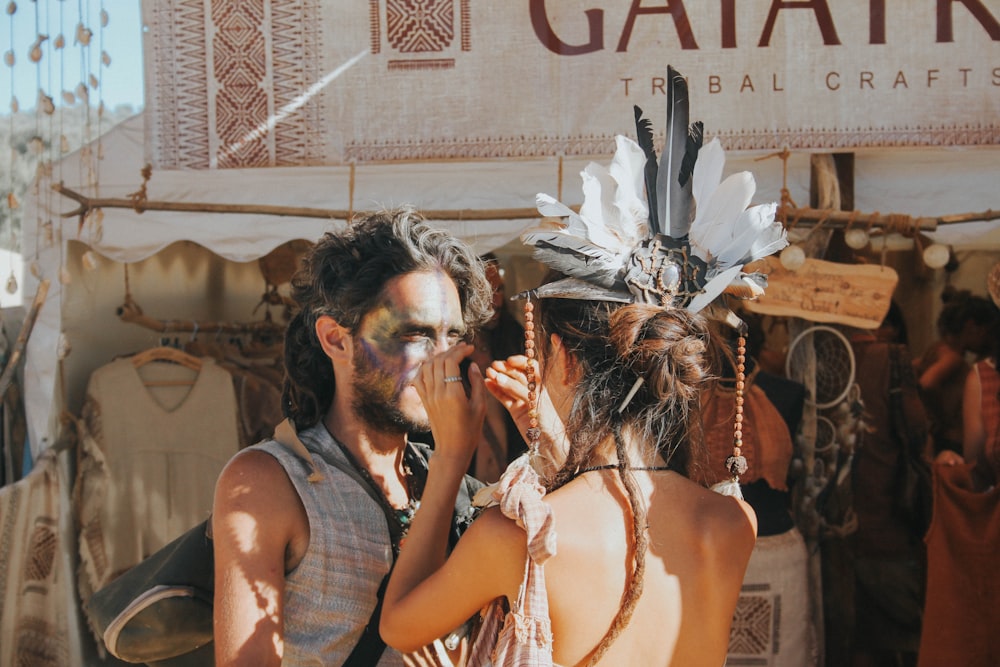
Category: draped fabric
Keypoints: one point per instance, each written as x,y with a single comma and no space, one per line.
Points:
35,593
961,616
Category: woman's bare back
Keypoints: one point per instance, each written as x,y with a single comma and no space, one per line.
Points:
699,546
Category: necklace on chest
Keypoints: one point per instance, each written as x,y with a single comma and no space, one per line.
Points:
398,519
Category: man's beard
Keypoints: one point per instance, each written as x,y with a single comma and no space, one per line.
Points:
376,399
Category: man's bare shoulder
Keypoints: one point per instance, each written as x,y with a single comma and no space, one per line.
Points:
254,479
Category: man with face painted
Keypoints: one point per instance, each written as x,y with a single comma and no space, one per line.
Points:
300,550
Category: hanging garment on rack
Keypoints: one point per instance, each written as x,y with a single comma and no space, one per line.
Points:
156,439
35,594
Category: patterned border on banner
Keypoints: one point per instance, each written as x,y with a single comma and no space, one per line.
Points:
738,140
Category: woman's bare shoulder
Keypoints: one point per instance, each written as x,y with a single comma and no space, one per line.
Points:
711,516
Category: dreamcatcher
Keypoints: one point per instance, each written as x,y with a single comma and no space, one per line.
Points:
834,360
828,444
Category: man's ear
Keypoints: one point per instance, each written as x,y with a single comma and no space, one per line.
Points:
335,340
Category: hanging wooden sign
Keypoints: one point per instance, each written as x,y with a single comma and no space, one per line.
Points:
856,295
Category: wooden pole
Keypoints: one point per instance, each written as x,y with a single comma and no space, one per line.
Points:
793,216
22,338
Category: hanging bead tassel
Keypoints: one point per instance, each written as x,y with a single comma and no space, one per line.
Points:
736,463
534,433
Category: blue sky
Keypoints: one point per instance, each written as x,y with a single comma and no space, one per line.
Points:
64,69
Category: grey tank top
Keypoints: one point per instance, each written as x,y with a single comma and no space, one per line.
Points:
331,594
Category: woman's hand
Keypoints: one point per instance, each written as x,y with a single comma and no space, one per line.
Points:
456,418
948,458
507,380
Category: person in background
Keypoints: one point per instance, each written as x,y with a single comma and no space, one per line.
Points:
300,557
501,337
963,328
886,553
961,615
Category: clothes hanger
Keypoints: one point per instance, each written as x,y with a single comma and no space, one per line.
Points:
168,354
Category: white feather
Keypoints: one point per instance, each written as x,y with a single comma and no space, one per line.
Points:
715,222
755,231
630,196
713,288
551,207
707,172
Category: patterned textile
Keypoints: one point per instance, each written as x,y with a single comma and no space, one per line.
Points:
961,615
35,594
521,637
217,101
770,626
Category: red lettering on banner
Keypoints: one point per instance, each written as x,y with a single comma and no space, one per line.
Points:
714,84
774,84
626,85
965,76
547,36
729,24
900,80
675,9
830,78
659,84
747,83
819,7
931,76
945,31
866,78
876,21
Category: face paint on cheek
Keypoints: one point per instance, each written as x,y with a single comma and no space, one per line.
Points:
397,362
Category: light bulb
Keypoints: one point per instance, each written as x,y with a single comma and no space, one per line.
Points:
856,238
936,255
793,257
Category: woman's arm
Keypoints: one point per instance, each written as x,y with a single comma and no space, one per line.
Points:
973,428
429,596
257,515
941,369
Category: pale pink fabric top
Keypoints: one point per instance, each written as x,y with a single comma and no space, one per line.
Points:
522,636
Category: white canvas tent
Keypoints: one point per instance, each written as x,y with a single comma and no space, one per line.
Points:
912,181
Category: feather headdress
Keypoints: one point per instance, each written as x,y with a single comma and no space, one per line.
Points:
667,231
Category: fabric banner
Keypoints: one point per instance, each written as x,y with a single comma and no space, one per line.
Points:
249,83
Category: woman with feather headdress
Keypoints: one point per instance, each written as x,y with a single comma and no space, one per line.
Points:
626,560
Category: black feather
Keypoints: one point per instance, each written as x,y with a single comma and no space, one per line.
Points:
696,136
644,136
673,198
